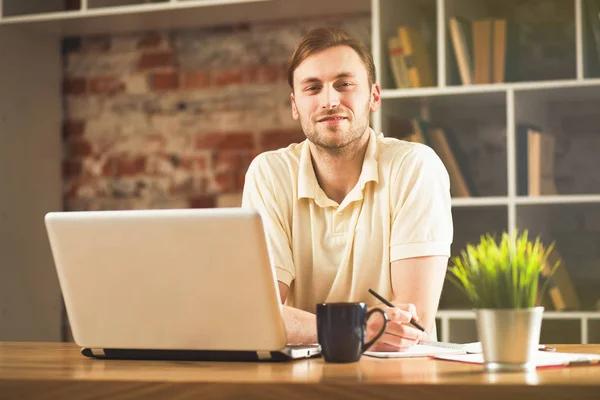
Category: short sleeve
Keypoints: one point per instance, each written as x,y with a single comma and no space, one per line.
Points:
260,194
420,205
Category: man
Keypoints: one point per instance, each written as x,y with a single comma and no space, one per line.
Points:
347,210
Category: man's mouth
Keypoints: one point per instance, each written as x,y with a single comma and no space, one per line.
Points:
332,118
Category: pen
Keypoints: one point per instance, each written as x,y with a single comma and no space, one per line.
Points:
387,303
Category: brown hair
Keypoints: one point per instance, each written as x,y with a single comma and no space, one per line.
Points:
322,39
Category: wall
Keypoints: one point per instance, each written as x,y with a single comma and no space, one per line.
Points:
30,185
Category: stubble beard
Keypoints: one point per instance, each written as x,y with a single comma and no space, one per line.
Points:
350,139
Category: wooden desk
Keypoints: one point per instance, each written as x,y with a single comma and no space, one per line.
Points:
58,371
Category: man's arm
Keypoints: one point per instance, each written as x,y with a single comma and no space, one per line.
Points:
419,281
417,285
300,326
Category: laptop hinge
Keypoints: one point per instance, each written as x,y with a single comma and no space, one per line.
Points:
98,352
264,355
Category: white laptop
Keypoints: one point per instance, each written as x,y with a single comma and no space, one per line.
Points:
192,284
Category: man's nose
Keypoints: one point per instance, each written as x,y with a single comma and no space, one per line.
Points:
330,98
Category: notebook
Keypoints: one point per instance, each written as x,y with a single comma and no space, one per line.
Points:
543,359
432,349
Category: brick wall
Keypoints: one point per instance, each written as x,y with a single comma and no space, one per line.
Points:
173,119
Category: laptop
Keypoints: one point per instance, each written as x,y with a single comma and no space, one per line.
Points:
187,284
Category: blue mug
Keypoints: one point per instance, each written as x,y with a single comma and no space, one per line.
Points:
341,329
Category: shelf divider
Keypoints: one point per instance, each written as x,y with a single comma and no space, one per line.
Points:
441,42
511,160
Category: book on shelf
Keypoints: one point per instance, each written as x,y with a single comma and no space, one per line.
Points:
420,128
446,147
417,58
535,166
443,142
593,19
481,49
561,291
462,43
398,63
498,50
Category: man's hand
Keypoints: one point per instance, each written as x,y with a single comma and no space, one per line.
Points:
399,335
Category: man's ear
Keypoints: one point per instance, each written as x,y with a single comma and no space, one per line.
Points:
375,97
295,114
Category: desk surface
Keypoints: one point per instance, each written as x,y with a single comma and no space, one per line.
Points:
57,370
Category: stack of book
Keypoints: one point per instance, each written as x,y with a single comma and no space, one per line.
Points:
409,59
480,49
444,143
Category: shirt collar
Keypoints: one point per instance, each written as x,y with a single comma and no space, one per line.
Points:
307,180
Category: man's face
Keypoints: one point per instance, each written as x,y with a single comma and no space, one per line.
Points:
332,98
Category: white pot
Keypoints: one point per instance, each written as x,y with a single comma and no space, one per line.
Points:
509,337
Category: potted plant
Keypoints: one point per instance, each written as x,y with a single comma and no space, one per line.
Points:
502,281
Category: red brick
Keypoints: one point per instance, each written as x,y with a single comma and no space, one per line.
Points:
106,85
73,129
228,160
125,166
189,162
163,81
276,139
155,142
72,189
196,79
262,74
71,168
159,59
283,68
239,181
80,148
150,40
229,77
225,141
226,181
203,202
74,86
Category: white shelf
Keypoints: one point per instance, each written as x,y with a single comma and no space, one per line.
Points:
522,200
175,15
491,88
561,199
479,201
119,10
445,316
470,314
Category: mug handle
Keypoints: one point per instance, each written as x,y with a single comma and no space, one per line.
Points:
366,346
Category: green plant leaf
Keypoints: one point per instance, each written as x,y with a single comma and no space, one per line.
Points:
502,275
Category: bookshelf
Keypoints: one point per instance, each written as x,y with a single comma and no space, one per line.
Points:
555,94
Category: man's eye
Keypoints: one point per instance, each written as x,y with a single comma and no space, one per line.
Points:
312,88
346,84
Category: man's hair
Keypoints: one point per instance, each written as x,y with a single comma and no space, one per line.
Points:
321,39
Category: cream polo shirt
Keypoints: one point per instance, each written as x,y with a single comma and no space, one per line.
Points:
330,252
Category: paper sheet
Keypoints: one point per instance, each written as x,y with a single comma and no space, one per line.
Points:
543,358
419,350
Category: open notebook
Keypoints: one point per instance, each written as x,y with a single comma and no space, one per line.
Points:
432,349
429,349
